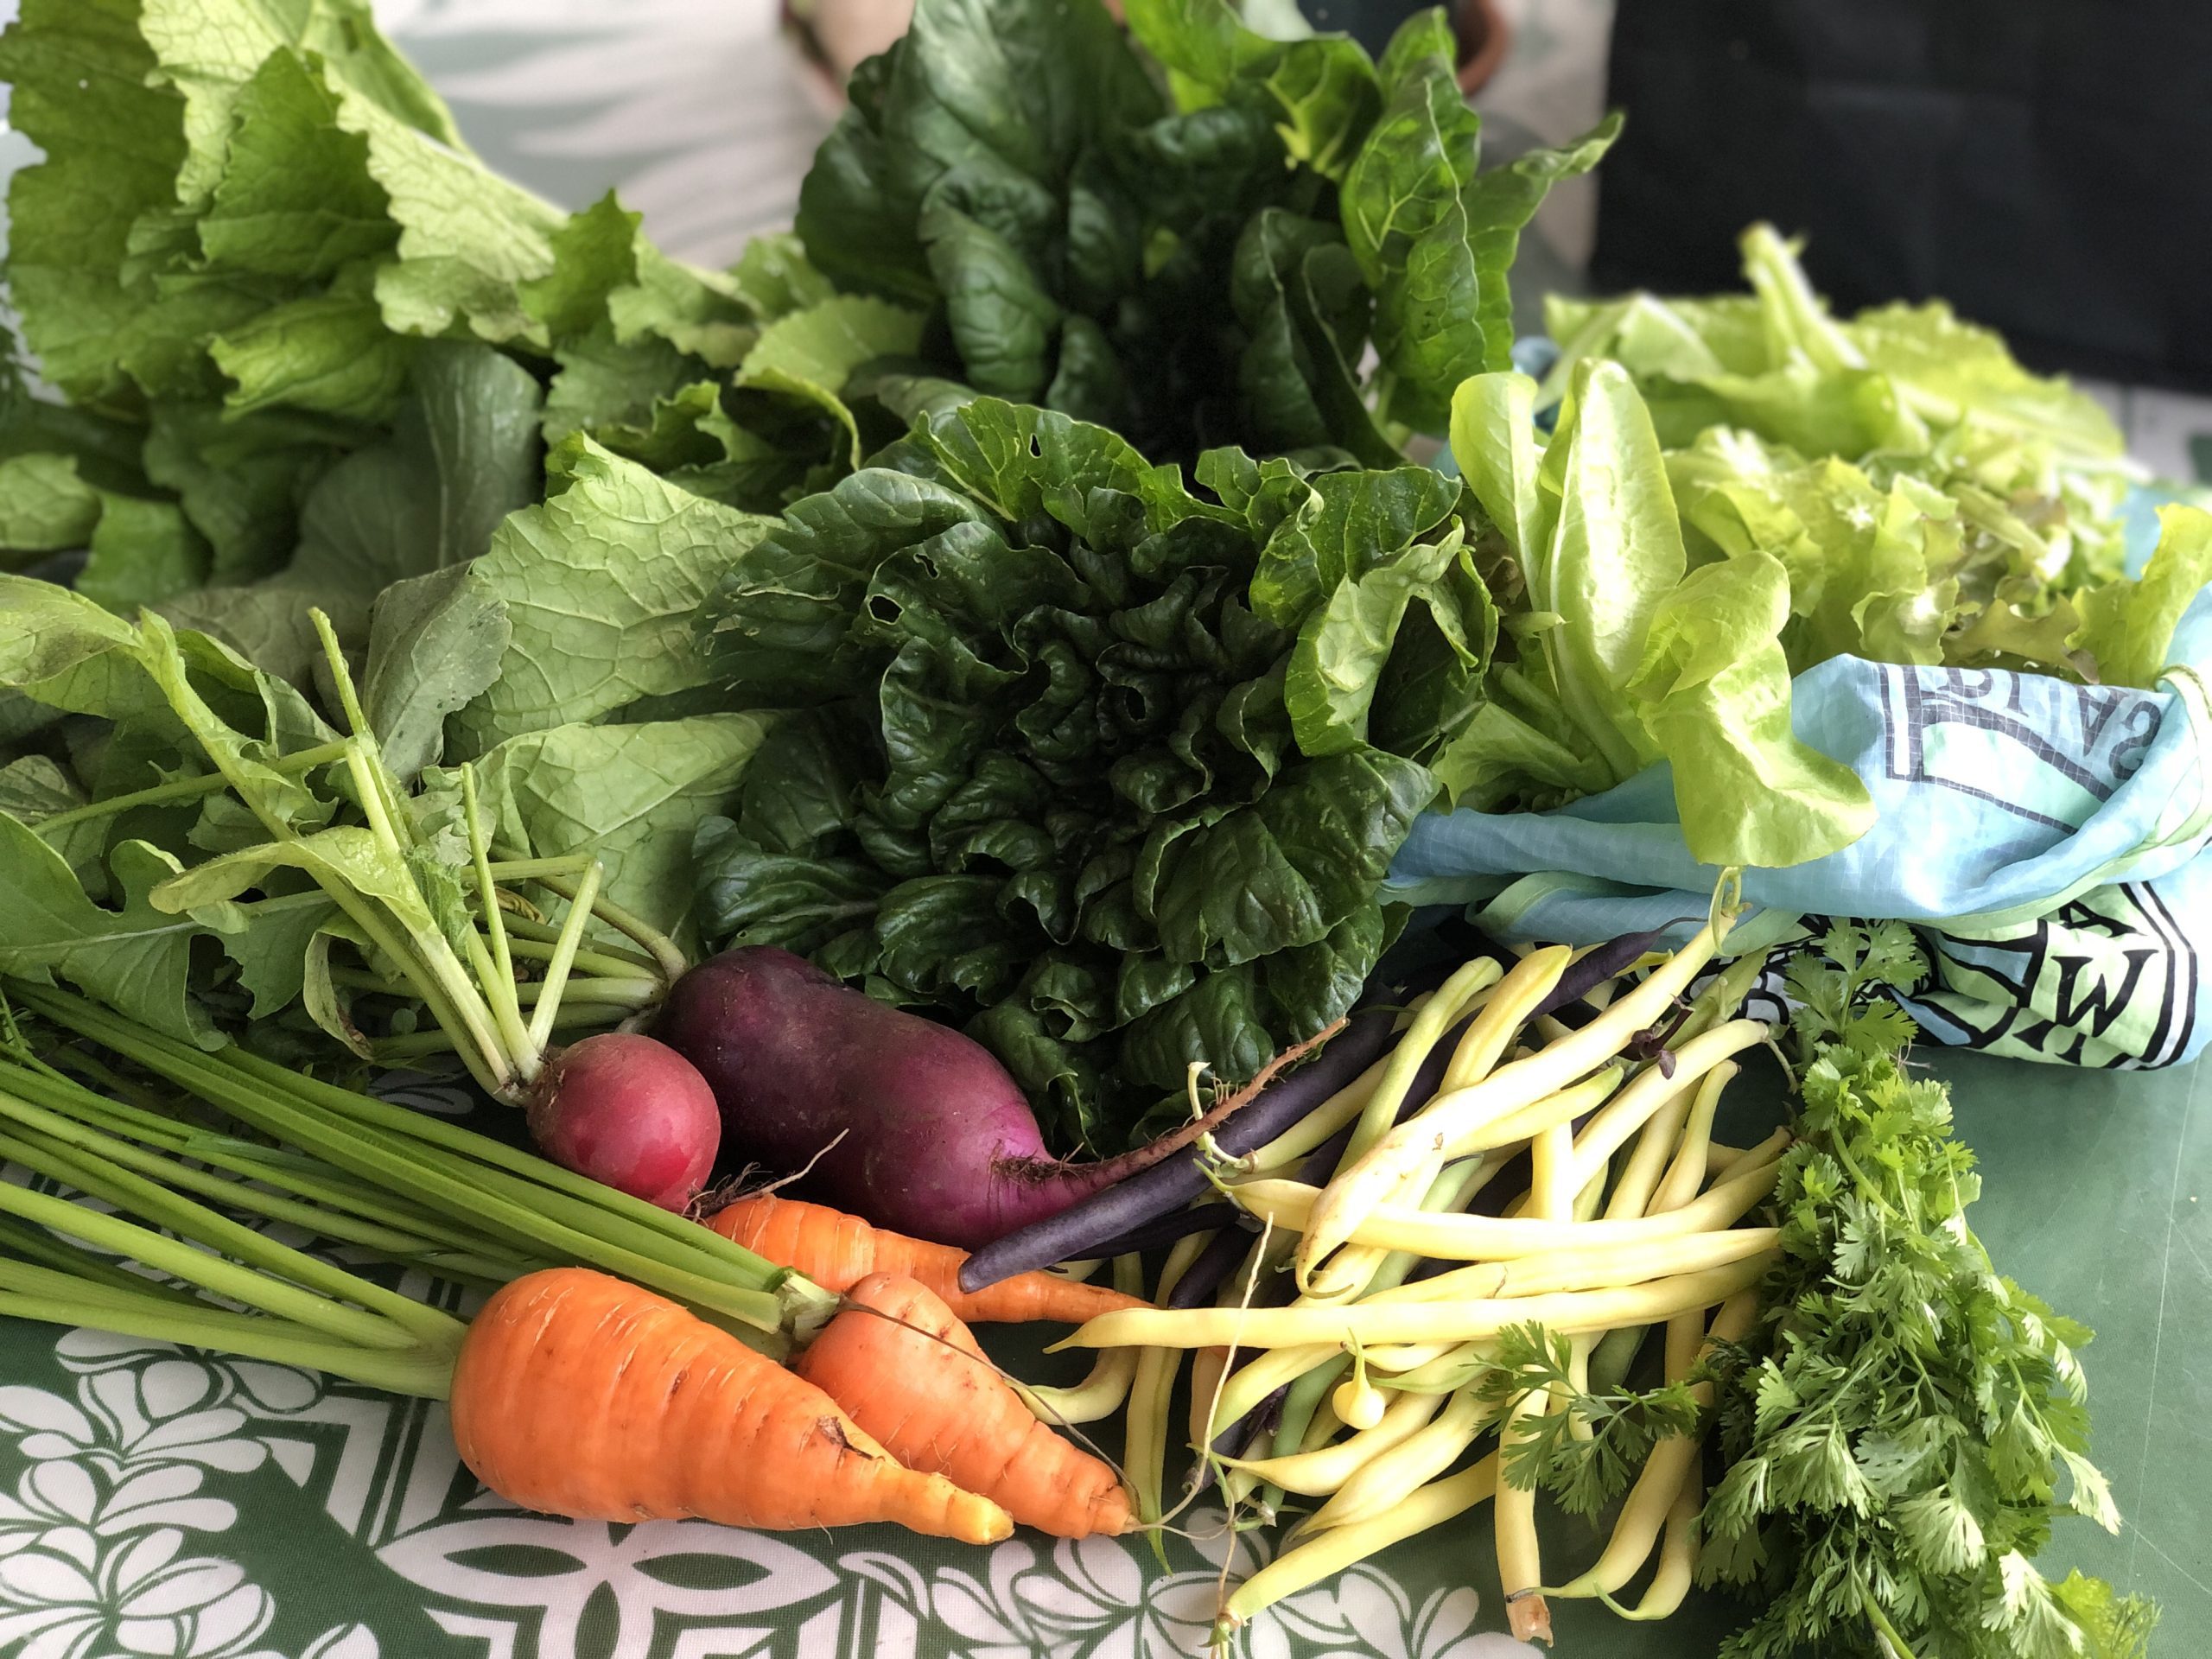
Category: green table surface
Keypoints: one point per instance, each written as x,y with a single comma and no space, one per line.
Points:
161,1502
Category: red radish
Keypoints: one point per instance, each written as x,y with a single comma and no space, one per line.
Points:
917,1127
631,1112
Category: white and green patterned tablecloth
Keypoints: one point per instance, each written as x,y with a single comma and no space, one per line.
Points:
154,1501
157,1502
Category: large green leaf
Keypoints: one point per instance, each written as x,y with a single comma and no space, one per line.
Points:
1045,782
435,643
462,454
632,796
1714,687
601,584
137,959
2128,626
1406,216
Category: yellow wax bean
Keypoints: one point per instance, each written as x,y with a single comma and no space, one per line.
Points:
1389,1479
1320,1472
1586,1269
1672,1462
1685,1177
1488,1238
1625,1114
1340,1546
1363,1322
1385,1160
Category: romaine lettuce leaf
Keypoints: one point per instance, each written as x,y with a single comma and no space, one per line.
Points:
1628,655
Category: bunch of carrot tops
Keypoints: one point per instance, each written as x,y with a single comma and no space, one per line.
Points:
629,1364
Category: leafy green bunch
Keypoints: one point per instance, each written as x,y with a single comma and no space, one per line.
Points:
1622,652
1929,500
310,344
1205,270
1908,1423
192,842
1108,771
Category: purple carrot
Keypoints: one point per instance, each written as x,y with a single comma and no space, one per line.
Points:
1076,1231
1593,967
1166,1229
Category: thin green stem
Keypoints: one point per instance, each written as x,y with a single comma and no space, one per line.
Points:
58,1275
457,1001
394,1243
514,867
422,1044
536,940
103,1073
37,1247
564,957
423,1372
501,987
287,1171
499,996
264,1094
293,1297
186,789
600,963
620,991
479,1048
561,875
564,1227
384,787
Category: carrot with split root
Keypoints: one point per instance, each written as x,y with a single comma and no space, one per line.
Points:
837,1251
912,1375
579,1394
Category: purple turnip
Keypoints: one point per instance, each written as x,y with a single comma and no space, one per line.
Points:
630,1112
906,1122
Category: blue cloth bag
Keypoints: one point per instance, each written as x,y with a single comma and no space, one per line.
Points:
2046,840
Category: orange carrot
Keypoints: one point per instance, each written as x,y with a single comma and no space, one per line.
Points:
911,1374
837,1251
580,1394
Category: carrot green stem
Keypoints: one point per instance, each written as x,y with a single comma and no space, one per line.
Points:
425,1372
483,1183
301,1178
237,1195
36,1246
396,1322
